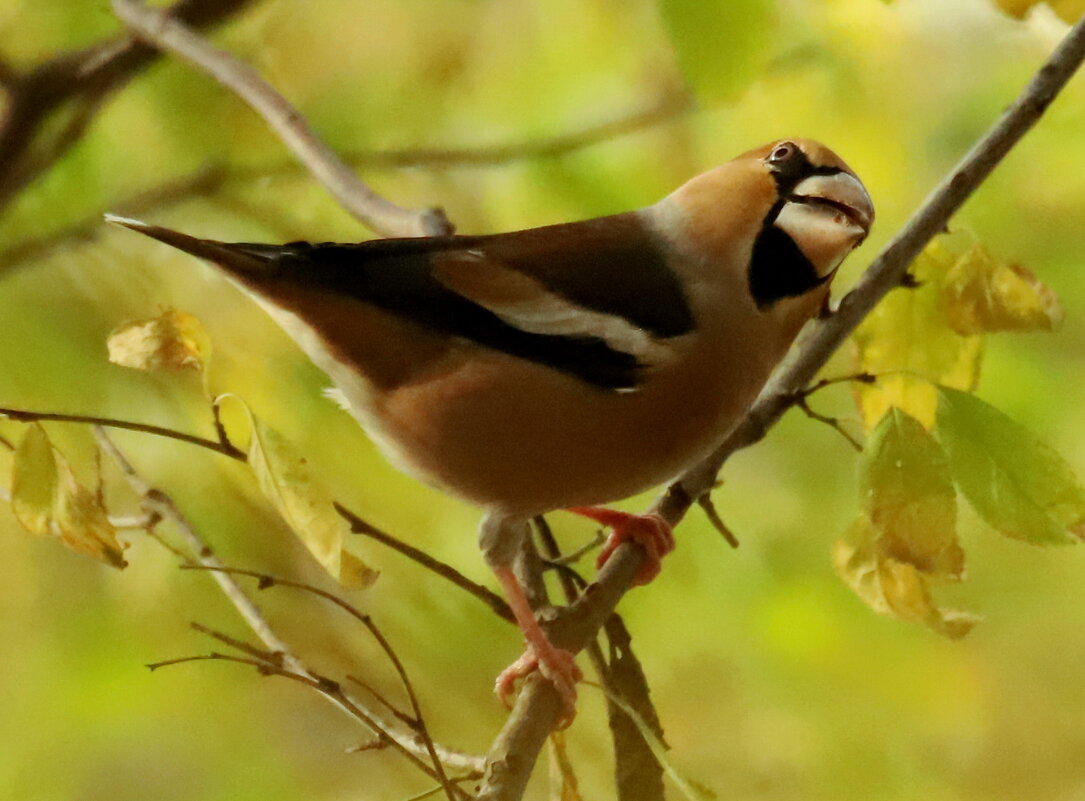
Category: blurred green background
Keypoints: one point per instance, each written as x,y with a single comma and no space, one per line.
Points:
772,679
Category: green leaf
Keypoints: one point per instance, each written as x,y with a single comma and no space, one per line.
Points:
34,481
721,45
1017,484
285,478
907,490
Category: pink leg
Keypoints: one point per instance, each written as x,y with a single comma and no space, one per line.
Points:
652,532
555,664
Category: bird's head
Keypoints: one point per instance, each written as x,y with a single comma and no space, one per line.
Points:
784,215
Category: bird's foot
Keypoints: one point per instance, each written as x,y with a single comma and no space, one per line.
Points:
556,665
651,531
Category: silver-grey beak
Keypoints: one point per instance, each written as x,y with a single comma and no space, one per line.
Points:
841,190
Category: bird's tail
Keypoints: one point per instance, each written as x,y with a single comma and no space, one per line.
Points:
240,258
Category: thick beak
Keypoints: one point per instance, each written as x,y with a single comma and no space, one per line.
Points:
842,191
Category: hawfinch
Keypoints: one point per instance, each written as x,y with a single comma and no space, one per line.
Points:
572,365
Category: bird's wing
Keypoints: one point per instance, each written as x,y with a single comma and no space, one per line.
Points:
594,299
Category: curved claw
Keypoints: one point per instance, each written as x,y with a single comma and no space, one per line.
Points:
651,531
557,666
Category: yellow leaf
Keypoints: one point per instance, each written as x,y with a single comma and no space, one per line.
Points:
891,587
1068,10
1016,8
906,535
285,478
49,500
907,342
83,522
174,340
34,481
563,783
984,295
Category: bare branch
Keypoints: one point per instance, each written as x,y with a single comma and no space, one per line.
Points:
225,447
376,212
637,773
672,103
157,502
832,422
86,77
538,707
487,596
417,722
208,180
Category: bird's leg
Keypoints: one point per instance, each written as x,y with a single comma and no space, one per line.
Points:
651,531
500,538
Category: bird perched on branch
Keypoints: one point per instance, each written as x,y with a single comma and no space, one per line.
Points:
572,365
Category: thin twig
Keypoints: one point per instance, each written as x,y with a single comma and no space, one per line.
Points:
671,104
159,503
832,422
327,687
713,515
417,721
271,657
538,707
377,213
225,447
484,594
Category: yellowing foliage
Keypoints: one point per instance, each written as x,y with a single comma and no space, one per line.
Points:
1068,10
174,340
48,500
905,535
909,345
983,295
285,478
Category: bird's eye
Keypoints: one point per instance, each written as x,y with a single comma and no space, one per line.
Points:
782,152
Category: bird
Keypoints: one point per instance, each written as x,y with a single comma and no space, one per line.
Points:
572,365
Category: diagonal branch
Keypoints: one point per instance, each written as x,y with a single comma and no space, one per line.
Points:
538,707
354,195
216,177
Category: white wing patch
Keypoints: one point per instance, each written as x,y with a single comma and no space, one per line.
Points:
525,303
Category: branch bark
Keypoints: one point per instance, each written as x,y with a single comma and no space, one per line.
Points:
374,211
537,708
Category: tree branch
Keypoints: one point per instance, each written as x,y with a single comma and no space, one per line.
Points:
158,503
214,177
538,707
374,211
86,77
223,446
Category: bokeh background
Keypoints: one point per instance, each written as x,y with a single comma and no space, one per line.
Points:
772,679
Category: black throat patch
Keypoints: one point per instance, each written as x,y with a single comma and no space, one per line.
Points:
778,267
